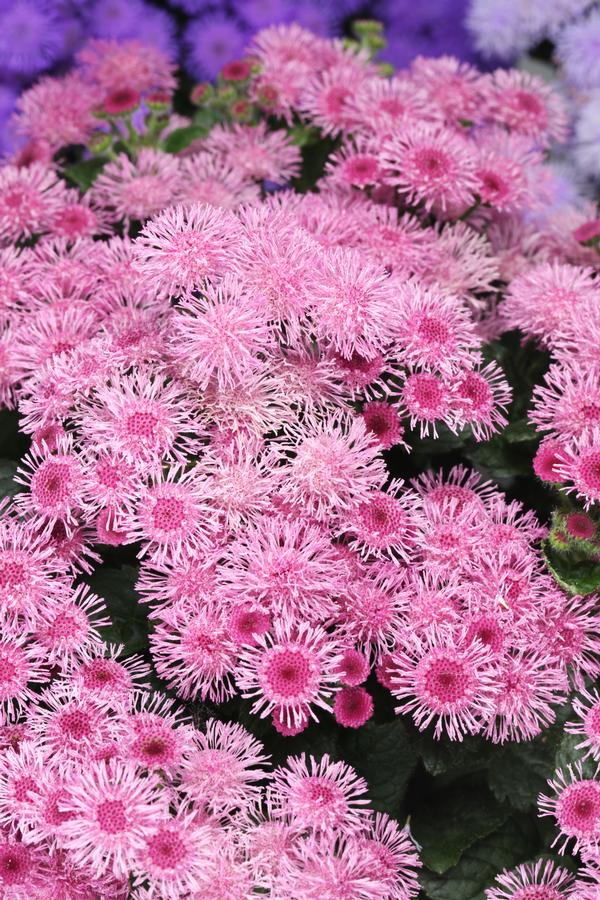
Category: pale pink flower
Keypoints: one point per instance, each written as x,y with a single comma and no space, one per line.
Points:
55,483
385,524
224,769
354,303
28,200
208,179
78,218
567,405
137,190
372,610
293,668
353,167
22,665
223,335
69,726
59,111
586,706
255,152
22,770
191,578
319,796
69,626
431,165
327,99
106,676
114,64
453,86
462,486
334,466
184,245
156,734
193,651
526,104
393,857
113,813
385,105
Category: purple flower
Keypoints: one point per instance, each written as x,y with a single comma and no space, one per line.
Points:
429,29
32,36
262,13
211,41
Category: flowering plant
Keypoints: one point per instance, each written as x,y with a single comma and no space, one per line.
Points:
274,499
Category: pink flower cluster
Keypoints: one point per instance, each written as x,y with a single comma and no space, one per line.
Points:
220,391
108,787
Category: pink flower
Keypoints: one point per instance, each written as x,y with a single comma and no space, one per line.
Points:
575,808
334,466
184,245
156,734
386,105
255,152
392,856
480,398
354,667
208,179
544,878
586,707
327,99
440,680
104,676
548,460
69,626
579,463
354,303
525,104
223,336
384,525
353,707
140,189
567,405
69,726
321,797
174,855
59,111
426,400
113,813
224,769
431,165
357,168
115,64
293,668
383,421
22,664
453,86
56,487
28,200
193,651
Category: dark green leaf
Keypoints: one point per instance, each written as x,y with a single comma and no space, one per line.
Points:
451,759
449,822
385,757
518,772
83,174
514,842
182,137
129,618
8,487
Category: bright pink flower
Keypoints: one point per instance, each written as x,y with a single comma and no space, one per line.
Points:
113,813
69,626
174,856
544,880
431,165
184,245
461,486
224,769
69,726
22,665
22,869
480,398
56,487
575,808
354,168
383,525
140,189
291,668
321,797
328,98
192,578
586,706
354,667
426,400
156,734
353,707
567,405
579,463
580,526
247,623
440,680
548,460
105,676
193,651
173,517
385,105
392,856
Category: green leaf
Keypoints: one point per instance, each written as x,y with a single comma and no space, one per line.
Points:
8,487
84,173
304,135
514,842
449,822
577,577
385,757
129,618
518,772
451,759
181,138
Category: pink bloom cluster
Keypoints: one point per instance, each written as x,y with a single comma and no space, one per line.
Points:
108,787
220,391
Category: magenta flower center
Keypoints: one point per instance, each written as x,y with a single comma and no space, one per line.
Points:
111,816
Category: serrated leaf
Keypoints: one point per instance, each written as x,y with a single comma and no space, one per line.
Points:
129,618
84,173
383,754
449,822
181,138
577,577
514,842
